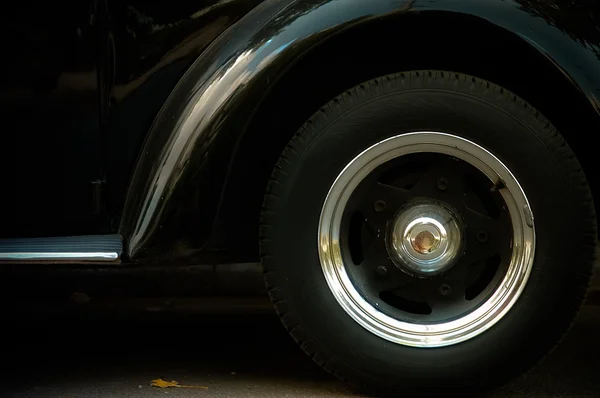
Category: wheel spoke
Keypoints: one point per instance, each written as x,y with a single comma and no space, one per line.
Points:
380,202
456,277
443,307
384,198
485,238
376,254
379,271
446,294
444,181
393,280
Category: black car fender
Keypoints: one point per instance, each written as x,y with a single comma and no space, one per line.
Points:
179,178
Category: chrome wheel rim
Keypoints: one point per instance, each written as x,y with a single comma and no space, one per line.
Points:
395,327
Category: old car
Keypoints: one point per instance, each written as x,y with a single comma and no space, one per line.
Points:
416,176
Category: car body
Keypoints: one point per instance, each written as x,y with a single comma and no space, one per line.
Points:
145,133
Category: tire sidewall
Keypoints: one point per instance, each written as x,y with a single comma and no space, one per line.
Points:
506,128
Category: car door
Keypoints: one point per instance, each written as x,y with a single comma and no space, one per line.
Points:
50,140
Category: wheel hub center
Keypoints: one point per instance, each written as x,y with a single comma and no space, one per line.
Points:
425,239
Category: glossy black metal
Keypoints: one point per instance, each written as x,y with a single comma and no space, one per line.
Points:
148,47
81,83
178,181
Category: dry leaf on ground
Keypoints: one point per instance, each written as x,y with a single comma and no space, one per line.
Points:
160,383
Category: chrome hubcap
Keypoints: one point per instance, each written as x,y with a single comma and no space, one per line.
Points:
426,239
421,276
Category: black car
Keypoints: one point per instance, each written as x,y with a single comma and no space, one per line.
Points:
416,176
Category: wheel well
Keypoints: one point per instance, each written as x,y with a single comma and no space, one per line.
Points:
433,40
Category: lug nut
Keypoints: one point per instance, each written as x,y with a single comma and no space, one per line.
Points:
381,270
482,237
444,290
379,206
442,184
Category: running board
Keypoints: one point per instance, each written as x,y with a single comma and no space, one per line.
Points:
92,248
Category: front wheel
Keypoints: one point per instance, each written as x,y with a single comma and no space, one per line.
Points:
427,232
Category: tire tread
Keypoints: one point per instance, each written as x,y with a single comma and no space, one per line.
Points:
309,132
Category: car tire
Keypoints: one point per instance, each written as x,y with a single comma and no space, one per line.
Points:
472,152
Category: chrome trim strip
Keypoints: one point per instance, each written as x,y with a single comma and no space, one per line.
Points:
91,256
95,248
